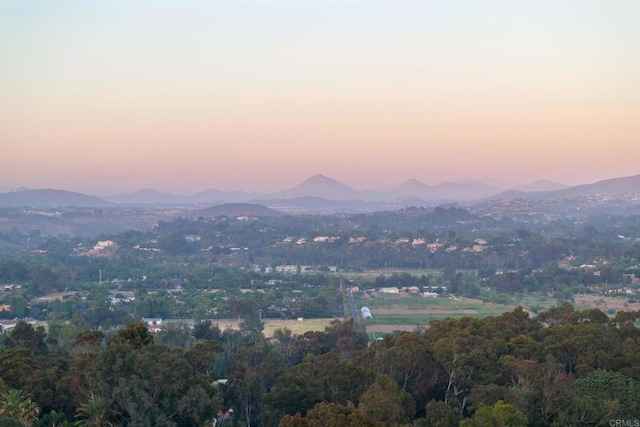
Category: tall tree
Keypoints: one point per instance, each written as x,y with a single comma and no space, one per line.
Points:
385,402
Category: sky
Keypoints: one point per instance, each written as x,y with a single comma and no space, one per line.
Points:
114,96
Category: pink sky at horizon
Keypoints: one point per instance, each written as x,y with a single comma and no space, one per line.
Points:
258,96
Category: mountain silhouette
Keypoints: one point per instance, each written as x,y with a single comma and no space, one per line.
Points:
411,188
319,186
50,198
624,185
540,185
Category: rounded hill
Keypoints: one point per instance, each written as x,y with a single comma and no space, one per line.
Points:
239,209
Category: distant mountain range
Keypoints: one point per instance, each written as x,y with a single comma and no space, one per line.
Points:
51,198
328,188
542,185
626,185
319,190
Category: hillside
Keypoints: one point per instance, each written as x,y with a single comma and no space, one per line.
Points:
238,209
319,186
50,198
625,185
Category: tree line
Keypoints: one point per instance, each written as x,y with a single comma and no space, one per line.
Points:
561,367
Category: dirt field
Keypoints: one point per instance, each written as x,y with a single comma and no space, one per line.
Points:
388,329
53,297
270,325
604,303
299,328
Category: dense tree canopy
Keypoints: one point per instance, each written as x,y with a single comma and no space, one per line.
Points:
564,367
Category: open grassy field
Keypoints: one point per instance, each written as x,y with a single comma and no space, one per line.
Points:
415,310
270,325
410,311
609,305
52,297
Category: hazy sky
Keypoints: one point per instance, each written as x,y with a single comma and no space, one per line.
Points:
111,96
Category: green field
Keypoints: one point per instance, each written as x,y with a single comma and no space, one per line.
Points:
413,309
413,302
